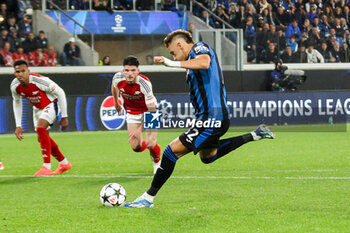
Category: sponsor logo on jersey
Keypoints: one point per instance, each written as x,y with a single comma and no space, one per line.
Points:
35,92
109,115
137,93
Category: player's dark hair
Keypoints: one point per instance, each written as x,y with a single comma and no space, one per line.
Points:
178,33
20,62
131,61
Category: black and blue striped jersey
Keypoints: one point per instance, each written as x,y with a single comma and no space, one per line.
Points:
207,89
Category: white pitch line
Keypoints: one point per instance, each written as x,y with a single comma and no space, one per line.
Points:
193,177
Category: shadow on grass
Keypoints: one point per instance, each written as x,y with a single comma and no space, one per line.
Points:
18,180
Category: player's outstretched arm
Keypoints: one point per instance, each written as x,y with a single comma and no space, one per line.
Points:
19,133
201,62
64,123
115,93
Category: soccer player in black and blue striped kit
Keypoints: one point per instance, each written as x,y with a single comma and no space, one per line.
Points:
208,96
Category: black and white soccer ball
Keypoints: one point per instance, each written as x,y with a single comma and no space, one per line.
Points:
112,194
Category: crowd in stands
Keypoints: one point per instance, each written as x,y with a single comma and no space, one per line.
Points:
295,31
17,40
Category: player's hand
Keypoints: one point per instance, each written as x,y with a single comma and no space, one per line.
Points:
63,123
158,59
118,108
19,133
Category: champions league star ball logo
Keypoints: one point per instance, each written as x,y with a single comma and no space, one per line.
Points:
109,115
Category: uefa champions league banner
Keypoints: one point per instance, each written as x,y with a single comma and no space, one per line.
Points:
98,112
102,22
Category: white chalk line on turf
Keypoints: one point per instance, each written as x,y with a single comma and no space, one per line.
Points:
192,177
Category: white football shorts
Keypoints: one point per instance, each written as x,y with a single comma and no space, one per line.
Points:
48,113
134,118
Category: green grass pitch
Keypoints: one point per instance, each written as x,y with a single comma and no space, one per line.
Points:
299,182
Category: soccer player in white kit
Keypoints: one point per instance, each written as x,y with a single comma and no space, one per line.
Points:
136,92
45,95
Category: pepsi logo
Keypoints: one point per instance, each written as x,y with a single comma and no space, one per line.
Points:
109,115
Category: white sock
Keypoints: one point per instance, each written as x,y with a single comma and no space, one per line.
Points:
47,165
64,161
148,197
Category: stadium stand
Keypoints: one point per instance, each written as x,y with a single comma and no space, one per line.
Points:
271,27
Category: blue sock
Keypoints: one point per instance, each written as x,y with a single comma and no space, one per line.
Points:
167,166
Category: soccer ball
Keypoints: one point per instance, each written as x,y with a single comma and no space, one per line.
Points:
112,194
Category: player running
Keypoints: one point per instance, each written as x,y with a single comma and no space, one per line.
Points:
44,94
2,166
208,96
136,92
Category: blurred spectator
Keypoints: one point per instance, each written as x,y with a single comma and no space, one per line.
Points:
282,17
293,44
118,4
24,8
270,55
20,55
144,5
52,61
287,55
38,58
220,12
281,40
337,54
168,5
339,31
272,36
313,56
204,16
343,24
309,5
310,15
3,36
293,29
149,60
261,41
306,26
99,5
333,36
314,37
338,13
240,18
3,10
29,43
321,28
346,51
191,27
7,55
41,41
324,51
26,26
14,40
71,54
79,4
329,14
300,56
11,23
106,61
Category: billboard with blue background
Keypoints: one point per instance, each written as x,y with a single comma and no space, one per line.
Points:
94,112
102,22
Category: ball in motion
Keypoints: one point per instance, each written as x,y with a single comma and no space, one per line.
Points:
112,194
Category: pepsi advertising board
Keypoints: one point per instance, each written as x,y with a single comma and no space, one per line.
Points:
98,112
102,22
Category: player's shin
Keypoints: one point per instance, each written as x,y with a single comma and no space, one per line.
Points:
56,151
164,172
45,145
